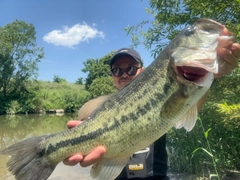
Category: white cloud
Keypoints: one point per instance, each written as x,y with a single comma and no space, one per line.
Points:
74,35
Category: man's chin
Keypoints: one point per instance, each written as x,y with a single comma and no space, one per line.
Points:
124,83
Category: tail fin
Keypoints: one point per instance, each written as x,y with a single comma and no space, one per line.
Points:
27,162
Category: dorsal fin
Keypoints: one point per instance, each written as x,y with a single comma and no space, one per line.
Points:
89,107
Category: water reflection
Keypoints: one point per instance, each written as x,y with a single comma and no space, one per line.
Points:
17,127
14,128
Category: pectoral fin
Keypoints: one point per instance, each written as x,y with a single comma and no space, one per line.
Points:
188,121
108,168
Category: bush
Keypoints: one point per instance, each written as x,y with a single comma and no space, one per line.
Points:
42,96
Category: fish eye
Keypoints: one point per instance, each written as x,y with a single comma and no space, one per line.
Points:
189,31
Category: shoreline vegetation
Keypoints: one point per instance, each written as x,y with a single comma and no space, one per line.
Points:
40,111
40,97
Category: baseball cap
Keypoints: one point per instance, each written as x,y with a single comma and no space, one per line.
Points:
126,51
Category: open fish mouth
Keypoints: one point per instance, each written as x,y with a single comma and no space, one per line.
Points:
191,73
196,75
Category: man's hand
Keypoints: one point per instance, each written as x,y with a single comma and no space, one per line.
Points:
87,160
228,57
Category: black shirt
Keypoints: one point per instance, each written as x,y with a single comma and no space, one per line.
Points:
149,163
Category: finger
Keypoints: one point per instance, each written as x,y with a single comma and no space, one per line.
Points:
226,32
93,157
235,48
73,123
73,160
228,56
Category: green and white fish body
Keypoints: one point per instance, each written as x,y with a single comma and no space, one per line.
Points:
163,95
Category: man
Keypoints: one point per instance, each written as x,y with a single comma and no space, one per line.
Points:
125,65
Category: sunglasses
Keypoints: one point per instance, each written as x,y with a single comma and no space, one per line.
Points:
131,71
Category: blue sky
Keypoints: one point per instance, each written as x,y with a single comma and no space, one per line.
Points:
72,31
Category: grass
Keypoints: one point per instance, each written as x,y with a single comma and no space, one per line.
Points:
211,149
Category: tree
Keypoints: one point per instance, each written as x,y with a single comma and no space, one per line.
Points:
19,56
79,81
97,69
170,16
7,69
102,86
57,79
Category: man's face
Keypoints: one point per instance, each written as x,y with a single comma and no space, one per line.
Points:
125,61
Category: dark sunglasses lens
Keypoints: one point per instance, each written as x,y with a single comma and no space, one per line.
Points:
131,71
117,72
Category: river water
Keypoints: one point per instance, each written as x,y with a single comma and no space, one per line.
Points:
14,128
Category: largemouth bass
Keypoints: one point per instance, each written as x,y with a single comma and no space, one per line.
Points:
163,95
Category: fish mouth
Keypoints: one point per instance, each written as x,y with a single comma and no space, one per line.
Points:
190,73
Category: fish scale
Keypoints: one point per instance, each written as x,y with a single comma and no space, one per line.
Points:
133,118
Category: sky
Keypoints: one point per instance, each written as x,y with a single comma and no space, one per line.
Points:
72,31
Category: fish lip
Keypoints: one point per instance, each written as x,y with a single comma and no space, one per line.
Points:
208,25
205,20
